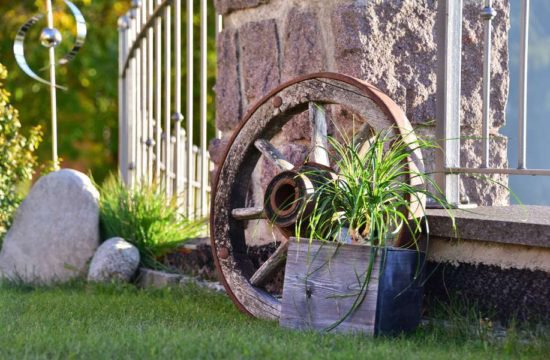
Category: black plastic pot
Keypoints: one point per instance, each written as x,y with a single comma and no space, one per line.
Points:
400,291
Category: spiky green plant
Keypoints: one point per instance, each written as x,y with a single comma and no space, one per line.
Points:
370,200
145,217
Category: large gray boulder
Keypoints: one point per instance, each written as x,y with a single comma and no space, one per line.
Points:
115,260
55,231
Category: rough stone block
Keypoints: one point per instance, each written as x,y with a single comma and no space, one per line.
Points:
217,149
259,56
472,66
298,128
391,45
228,90
304,52
226,6
115,259
55,231
157,279
349,25
484,190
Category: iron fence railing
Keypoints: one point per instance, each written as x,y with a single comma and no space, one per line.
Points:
155,138
448,101
155,144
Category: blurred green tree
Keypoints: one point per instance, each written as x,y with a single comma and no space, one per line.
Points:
17,159
87,112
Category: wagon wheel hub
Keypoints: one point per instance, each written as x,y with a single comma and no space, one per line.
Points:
289,197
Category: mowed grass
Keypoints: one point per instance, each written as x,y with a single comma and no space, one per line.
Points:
114,322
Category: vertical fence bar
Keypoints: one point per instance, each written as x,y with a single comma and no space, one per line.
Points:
150,92
137,86
132,105
167,98
137,103
121,100
523,64
487,14
158,93
189,114
204,94
449,25
177,116
219,28
143,89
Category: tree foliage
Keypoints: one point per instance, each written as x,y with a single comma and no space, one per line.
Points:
17,157
87,112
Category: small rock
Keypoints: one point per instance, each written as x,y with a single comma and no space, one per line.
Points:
55,231
157,279
115,259
212,285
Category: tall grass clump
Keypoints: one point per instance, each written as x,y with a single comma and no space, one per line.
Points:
145,217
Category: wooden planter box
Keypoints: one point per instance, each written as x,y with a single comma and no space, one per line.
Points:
323,280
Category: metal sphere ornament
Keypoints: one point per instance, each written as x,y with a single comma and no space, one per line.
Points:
50,37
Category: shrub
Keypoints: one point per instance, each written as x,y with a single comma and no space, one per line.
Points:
17,158
145,217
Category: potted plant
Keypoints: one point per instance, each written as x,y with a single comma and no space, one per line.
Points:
357,261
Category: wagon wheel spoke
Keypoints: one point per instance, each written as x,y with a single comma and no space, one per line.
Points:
273,155
249,213
319,143
270,267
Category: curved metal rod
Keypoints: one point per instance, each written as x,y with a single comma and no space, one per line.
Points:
19,50
137,42
81,32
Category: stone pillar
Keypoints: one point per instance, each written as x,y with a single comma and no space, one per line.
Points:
390,43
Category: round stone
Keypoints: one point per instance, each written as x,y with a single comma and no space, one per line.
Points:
50,37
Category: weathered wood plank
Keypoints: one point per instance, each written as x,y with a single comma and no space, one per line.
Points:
319,143
270,266
250,213
273,155
322,281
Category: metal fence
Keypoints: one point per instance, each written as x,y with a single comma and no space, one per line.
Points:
448,93
155,143
155,137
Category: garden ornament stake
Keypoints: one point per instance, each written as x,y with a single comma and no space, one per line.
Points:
50,38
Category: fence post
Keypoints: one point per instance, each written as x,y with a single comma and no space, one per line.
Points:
122,101
449,52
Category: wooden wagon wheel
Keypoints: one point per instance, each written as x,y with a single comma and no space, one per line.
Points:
230,212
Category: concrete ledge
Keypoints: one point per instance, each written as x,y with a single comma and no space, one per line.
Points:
517,224
503,256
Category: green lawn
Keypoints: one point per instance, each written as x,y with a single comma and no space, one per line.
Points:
85,321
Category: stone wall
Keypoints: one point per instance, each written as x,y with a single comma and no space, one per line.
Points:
390,43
